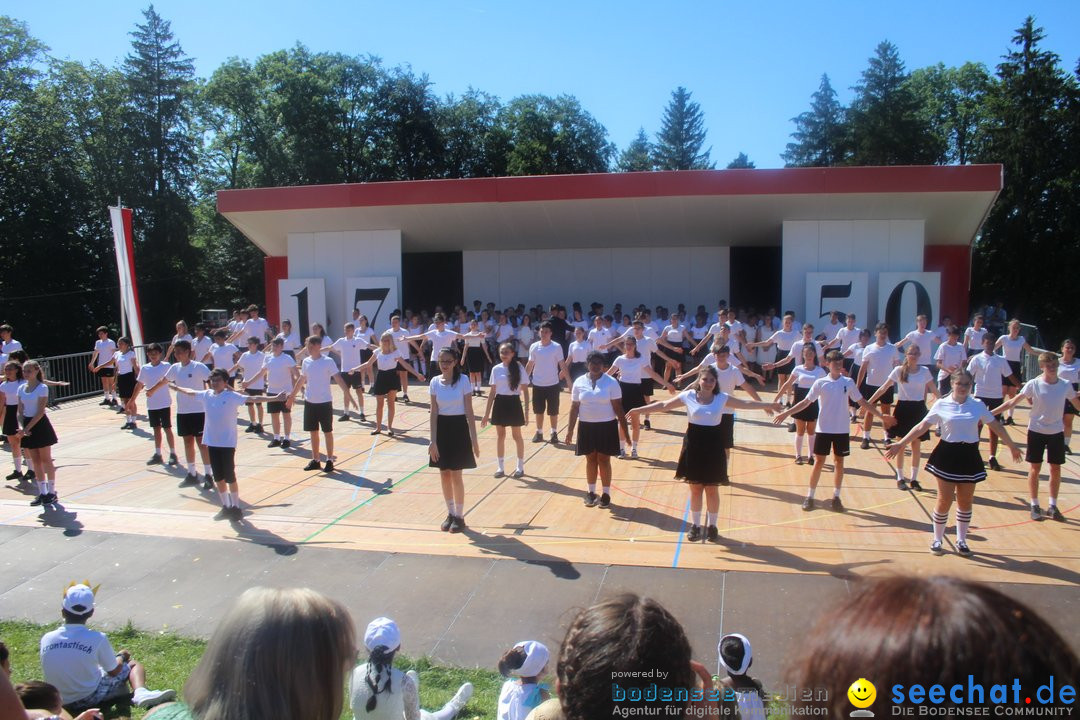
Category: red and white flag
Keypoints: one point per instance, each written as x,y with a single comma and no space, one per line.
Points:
125,266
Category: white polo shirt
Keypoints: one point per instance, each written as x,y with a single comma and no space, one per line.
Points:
219,426
319,373
699,414
959,422
192,376
950,356
150,375
595,402
988,371
545,359
915,387
500,380
879,360
279,373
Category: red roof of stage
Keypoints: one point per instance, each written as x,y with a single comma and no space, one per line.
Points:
705,206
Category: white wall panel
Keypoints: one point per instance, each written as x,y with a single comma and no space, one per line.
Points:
631,277
710,278
800,256
517,277
301,252
481,276
593,278
836,251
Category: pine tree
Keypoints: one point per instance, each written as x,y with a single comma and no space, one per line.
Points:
821,133
637,157
160,78
682,135
741,162
886,122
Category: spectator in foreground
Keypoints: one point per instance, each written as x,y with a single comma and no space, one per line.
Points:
379,691
745,694
523,665
912,631
81,663
297,643
42,700
626,634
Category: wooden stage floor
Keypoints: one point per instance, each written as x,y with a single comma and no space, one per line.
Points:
384,497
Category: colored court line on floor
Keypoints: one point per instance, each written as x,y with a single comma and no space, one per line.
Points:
682,533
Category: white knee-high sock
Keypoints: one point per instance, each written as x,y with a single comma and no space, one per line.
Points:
963,521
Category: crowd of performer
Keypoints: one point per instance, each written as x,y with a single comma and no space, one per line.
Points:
611,363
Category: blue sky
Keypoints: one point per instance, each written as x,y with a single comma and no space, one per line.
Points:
751,66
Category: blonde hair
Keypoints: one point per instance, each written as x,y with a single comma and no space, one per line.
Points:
388,336
276,655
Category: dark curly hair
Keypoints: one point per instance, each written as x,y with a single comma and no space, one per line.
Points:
627,633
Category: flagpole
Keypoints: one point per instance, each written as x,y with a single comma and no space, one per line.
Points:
123,315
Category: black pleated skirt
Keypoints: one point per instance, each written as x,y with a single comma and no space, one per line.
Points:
702,460
385,381
601,437
507,411
41,435
454,443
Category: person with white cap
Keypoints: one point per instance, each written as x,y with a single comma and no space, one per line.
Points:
379,691
740,690
523,665
82,665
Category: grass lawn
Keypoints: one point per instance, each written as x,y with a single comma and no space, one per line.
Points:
169,659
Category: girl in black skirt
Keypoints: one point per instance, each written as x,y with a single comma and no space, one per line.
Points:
9,412
913,381
802,377
508,382
391,362
596,399
956,461
453,446
632,367
125,362
37,434
703,462
476,356
576,354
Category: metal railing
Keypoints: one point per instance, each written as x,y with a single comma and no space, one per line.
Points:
73,369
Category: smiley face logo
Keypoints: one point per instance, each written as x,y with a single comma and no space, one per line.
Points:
862,693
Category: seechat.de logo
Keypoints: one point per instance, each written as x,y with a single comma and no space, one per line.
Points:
862,694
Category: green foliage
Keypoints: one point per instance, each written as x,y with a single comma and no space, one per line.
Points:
952,102
887,127
553,136
637,157
822,135
682,135
741,162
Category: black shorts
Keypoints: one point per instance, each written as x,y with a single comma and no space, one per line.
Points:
160,418
848,364
223,463
319,416
868,391
944,386
545,399
190,424
837,443
254,393
107,372
278,406
577,369
1069,409
1054,445
990,404
231,382
353,380
1017,372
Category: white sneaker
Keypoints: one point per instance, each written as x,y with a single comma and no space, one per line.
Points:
145,698
460,698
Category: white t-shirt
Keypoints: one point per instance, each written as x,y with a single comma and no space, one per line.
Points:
178,338
1010,348
319,373
915,387
451,398
125,362
105,349
797,346
250,364
941,335
30,399
500,380
973,338
830,330
349,351
256,328
631,369
1069,372
149,376
832,396
729,378
504,332
879,360
784,338
847,337
73,658
10,346
219,426
579,350
524,337
595,402
988,371
545,360
674,335
959,422
950,356
1047,404
223,355
698,414
10,390
400,342
440,339
387,361
599,337
290,341
279,373
192,376
925,342
805,378
367,335
201,346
